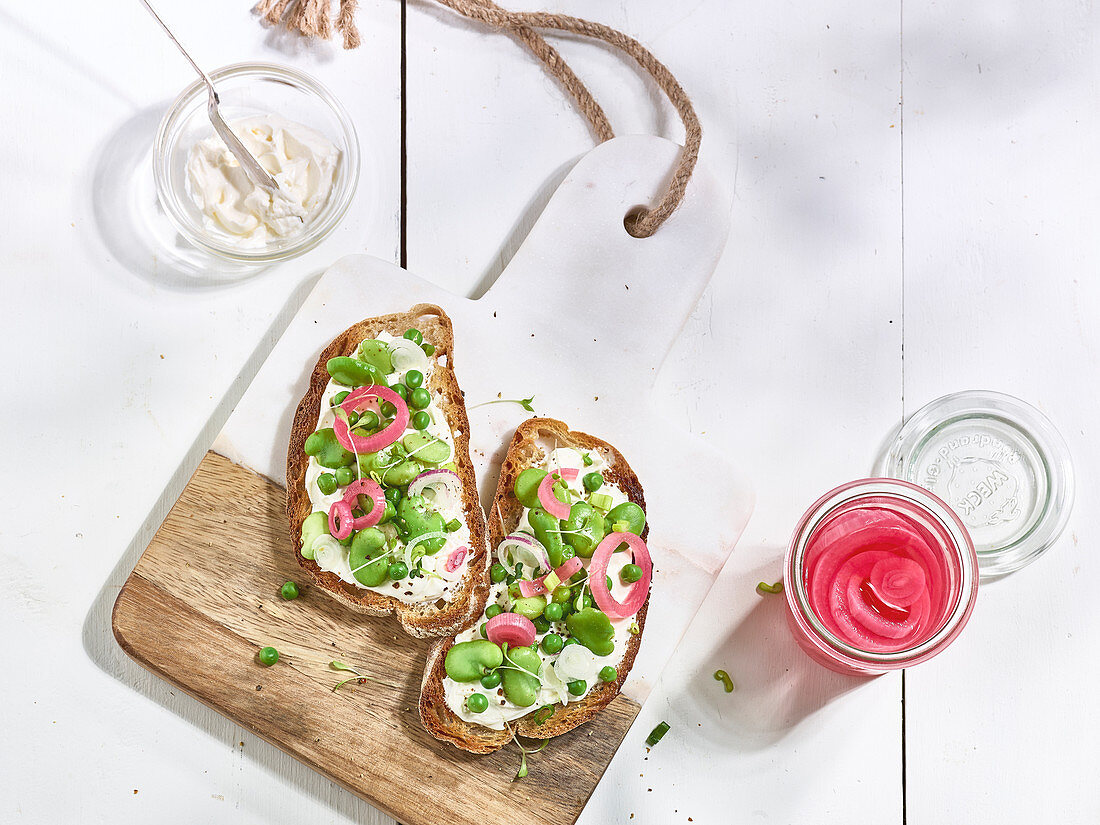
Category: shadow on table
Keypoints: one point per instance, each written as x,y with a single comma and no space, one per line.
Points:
776,685
132,223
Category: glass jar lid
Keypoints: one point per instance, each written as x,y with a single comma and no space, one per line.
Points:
999,463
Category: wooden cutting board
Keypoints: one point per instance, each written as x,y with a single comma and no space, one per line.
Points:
201,602
583,316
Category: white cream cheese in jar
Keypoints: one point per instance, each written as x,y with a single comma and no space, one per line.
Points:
302,161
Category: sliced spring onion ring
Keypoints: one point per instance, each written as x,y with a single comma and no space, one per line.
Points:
597,575
528,551
370,489
454,561
511,629
380,440
419,540
340,520
558,509
445,483
407,355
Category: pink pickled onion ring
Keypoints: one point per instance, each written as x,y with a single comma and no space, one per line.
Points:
569,569
369,488
371,443
528,589
568,473
550,503
454,561
339,520
510,629
597,575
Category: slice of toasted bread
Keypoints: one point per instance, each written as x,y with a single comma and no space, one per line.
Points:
420,620
525,451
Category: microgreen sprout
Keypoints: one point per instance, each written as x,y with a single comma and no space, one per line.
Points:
524,752
526,403
359,678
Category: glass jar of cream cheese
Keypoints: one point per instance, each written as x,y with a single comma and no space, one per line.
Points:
297,131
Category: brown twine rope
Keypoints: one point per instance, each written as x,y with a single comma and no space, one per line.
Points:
311,18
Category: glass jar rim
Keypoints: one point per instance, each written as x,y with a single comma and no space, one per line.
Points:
820,510
344,189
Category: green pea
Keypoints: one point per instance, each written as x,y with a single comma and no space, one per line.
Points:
553,612
315,525
541,625
552,643
562,594
414,379
401,390
592,482
353,418
429,350
377,354
521,687
414,335
369,420
584,529
629,514
493,610
477,703
352,373
592,629
577,687
527,484
387,409
366,548
498,573
484,630
398,570
547,531
289,591
530,607
338,399
571,641
389,513
326,483
329,452
608,674
393,495
427,449
421,420
491,680
469,661
419,398
268,656
344,476
630,573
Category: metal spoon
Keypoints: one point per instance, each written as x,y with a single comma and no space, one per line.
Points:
251,166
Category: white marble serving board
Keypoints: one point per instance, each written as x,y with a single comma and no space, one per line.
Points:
582,318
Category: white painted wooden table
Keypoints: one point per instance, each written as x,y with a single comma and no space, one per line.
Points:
915,203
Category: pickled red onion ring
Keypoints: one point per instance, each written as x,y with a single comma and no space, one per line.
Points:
597,575
569,568
528,589
380,440
369,488
454,561
339,520
549,502
510,629
568,473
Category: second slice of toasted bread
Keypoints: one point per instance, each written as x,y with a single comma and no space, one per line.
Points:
528,450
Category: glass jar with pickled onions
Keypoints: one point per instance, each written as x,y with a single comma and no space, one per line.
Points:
880,575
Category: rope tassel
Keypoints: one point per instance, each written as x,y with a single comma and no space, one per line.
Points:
312,18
